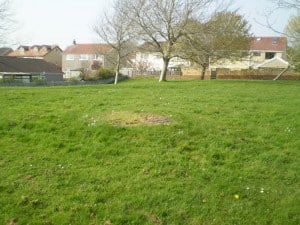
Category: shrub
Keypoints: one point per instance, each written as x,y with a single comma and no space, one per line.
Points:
103,73
297,67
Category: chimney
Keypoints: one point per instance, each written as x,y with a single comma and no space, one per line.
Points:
74,42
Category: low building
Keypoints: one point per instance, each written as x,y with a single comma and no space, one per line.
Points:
84,58
27,70
49,53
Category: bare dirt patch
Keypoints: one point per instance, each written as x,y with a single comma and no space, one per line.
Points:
126,118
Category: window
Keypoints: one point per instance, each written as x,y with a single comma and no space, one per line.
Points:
274,40
270,55
256,54
70,57
84,57
98,57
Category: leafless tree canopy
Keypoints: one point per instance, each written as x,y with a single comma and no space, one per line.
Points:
115,29
162,23
279,5
287,3
225,35
293,30
5,21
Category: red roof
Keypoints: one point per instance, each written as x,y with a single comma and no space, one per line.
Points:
87,49
274,44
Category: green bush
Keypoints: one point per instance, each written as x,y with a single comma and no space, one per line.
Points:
297,67
103,73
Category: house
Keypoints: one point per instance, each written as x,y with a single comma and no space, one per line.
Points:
265,48
27,70
265,52
49,53
147,59
84,58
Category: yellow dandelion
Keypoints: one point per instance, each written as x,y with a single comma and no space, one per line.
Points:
236,196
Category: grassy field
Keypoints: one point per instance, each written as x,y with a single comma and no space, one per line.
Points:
144,152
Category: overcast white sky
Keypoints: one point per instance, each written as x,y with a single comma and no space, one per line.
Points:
61,21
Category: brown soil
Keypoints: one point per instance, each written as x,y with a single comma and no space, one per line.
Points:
136,119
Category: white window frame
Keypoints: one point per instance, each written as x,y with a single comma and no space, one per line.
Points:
70,57
99,57
84,57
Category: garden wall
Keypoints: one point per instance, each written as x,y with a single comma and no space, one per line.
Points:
258,74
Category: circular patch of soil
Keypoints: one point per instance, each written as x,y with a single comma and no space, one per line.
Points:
126,118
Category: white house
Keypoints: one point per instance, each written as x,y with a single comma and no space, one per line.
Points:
265,52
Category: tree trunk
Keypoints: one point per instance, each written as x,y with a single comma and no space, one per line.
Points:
117,69
163,75
202,76
116,77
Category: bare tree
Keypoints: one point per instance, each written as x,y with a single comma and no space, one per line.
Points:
293,30
279,5
6,21
115,29
162,23
224,36
287,3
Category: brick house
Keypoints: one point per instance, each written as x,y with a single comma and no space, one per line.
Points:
49,53
84,58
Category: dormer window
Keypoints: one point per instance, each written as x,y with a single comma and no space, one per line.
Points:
274,40
21,51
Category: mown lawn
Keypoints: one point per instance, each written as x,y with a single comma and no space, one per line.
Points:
143,152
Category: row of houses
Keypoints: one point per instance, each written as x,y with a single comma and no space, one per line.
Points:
265,52
28,62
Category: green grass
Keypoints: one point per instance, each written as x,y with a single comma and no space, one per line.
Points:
229,154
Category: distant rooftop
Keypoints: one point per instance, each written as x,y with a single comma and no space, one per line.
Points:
26,65
88,49
5,51
33,51
276,44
